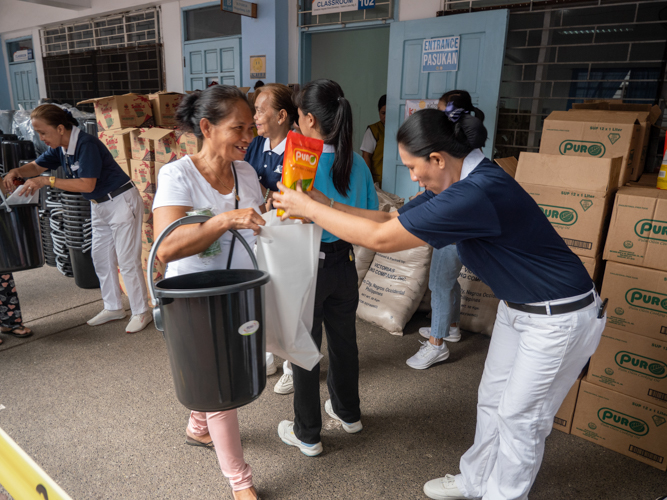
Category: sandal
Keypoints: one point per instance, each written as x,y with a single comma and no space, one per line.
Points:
19,332
194,442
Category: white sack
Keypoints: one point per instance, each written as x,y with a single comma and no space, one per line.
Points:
363,257
289,251
393,288
478,304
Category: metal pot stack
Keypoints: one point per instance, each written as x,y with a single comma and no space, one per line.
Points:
54,215
77,226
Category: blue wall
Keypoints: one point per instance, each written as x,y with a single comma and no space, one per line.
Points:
5,100
267,35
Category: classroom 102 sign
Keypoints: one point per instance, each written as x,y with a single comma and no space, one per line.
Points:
321,7
441,54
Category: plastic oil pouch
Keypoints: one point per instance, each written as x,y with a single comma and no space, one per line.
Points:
302,154
215,248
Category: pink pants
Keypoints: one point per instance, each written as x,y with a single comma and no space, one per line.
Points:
223,426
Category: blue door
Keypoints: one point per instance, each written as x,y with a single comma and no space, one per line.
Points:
24,84
216,60
481,53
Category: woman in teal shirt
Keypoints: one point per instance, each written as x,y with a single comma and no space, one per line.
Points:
342,176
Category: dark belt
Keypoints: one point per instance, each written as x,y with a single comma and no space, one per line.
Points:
336,253
113,194
557,309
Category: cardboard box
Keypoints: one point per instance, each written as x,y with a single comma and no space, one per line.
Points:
147,237
189,144
637,300
122,111
148,205
164,108
646,114
158,267
125,165
143,175
159,143
638,228
141,146
117,142
631,364
574,193
595,267
508,164
565,414
592,134
622,423
646,180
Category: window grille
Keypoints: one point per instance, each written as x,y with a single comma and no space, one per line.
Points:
103,56
564,52
384,9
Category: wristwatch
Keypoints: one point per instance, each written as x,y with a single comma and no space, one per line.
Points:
52,181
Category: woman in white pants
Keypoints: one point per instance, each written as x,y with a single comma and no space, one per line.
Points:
549,320
117,208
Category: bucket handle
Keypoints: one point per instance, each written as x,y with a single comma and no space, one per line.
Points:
189,219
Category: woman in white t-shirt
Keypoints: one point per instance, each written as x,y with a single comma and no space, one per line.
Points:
218,179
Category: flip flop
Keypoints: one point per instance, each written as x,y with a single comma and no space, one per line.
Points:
194,442
27,332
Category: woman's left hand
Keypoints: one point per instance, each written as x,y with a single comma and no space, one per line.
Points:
294,203
33,185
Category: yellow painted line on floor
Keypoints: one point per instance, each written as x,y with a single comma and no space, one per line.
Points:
22,477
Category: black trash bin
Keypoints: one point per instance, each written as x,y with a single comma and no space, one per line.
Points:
20,238
213,323
83,269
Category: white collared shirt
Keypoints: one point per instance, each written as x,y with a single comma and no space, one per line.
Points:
473,159
279,149
71,148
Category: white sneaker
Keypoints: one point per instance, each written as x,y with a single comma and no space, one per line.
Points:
286,433
285,385
454,333
443,488
271,367
349,428
427,355
139,321
106,315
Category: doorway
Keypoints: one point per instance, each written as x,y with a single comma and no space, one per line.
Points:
357,59
23,73
211,47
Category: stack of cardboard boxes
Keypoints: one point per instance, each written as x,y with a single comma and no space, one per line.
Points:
140,132
622,403
586,154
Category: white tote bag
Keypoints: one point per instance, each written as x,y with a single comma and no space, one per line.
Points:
289,251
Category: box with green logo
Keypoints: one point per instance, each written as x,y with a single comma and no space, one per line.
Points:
637,299
631,364
563,419
593,134
574,193
638,228
630,426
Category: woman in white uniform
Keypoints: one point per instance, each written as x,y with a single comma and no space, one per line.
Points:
117,208
549,319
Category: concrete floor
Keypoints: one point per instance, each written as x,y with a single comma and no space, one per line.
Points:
96,409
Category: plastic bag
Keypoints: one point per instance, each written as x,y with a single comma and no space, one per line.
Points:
302,154
22,126
215,248
289,251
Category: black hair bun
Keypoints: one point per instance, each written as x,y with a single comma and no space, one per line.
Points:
471,130
185,113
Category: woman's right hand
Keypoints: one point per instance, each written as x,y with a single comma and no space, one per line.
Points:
8,180
243,218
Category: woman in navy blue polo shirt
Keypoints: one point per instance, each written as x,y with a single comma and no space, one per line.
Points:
117,208
549,319
275,113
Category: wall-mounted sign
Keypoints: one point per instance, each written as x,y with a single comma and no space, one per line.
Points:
414,105
257,67
440,54
332,6
240,7
23,55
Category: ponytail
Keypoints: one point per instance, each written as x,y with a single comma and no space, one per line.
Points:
324,99
54,116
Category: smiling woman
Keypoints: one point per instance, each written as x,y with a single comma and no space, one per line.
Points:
219,180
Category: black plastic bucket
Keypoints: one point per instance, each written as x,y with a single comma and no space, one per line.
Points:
213,323
20,238
83,269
